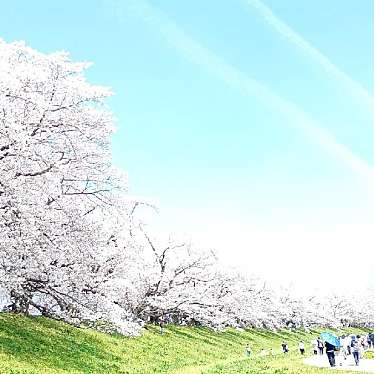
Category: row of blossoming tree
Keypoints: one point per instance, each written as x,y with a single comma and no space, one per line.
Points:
70,247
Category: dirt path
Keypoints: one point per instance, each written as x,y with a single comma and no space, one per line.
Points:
341,364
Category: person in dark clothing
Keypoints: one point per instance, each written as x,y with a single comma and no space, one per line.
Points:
284,347
161,324
330,351
349,349
356,350
371,340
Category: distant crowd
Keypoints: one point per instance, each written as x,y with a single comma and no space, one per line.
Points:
354,345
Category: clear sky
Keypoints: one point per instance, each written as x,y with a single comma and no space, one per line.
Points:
250,123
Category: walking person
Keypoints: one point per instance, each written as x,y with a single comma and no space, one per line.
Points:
330,352
320,345
284,347
248,350
356,350
161,324
342,354
301,347
347,344
315,346
364,342
371,340
362,347
343,348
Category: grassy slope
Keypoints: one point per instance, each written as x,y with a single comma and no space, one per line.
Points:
39,345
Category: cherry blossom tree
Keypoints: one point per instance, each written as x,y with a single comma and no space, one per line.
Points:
60,197
177,278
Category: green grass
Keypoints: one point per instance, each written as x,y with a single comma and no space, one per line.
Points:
369,355
44,346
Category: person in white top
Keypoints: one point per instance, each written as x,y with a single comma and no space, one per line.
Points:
248,350
347,344
302,347
356,350
315,346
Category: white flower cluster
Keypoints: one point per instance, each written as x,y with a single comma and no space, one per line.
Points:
60,197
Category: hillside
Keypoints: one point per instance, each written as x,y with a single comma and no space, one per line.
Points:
40,345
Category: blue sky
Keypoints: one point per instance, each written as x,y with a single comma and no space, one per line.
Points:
252,130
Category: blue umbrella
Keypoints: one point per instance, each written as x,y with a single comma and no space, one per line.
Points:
331,338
